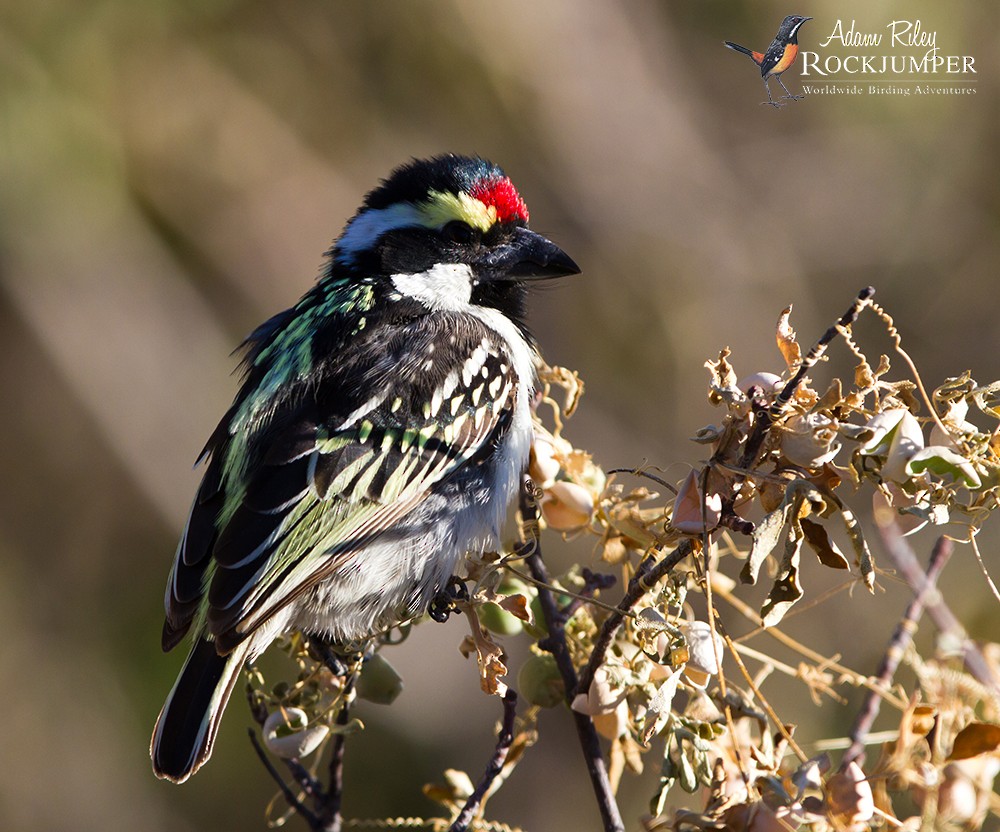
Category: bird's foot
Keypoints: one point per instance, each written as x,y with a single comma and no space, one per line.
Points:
443,604
336,658
793,97
772,103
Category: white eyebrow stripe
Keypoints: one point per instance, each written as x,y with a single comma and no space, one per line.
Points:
362,231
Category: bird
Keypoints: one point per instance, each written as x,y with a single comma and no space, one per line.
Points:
780,55
380,431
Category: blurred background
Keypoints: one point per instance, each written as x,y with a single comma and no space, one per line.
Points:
171,172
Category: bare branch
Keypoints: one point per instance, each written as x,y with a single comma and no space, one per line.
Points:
504,739
944,619
902,637
555,643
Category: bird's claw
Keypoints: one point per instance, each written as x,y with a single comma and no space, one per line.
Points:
443,604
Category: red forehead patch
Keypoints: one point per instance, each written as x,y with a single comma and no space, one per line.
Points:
502,195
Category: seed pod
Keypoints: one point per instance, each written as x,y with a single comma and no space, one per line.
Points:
287,733
379,682
539,681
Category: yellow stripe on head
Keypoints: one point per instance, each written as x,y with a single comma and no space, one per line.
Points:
443,207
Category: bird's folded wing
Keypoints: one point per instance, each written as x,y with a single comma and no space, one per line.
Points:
327,491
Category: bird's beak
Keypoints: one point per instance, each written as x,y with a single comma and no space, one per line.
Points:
527,256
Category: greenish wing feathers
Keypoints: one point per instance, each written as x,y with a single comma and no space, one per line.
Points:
308,511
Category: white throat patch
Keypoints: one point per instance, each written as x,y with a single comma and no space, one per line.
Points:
443,287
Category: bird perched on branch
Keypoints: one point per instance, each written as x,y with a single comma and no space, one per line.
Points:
380,431
780,55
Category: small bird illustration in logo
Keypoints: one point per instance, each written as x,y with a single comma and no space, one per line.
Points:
780,55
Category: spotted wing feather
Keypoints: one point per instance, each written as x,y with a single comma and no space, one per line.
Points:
332,475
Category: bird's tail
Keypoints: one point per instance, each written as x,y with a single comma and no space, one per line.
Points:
739,48
185,730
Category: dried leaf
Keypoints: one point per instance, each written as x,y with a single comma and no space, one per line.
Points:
826,550
786,590
489,654
765,539
920,719
862,554
976,738
518,606
722,388
987,399
787,340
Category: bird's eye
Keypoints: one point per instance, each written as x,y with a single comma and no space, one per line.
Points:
457,231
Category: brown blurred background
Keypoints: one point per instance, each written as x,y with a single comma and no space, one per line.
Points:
171,172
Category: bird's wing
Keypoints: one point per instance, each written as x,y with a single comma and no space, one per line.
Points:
769,60
329,483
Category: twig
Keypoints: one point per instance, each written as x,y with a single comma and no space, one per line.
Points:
767,417
778,635
646,576
902,637
297,805
505,738
555,643
329,803
944,619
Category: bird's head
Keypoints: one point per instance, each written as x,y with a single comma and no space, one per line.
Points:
448,231
790,27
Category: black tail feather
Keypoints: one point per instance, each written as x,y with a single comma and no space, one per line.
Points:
738,48
185,731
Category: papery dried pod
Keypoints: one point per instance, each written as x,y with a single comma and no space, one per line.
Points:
769,383
694,513
659,705
722,389
976,738
849,798
288,734
613,724
543,465
944,463
567,506
605,694
703,648
819,541
896,436
809,440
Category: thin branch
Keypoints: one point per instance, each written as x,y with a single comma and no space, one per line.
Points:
982,567
944,619
329,804
555,643
902,637
505,738
778,635
646,575
297,805
768,416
